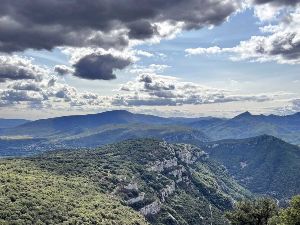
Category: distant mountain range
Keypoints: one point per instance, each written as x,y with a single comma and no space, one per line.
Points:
21,144
242,126
9,123
77,124
247,125
89,131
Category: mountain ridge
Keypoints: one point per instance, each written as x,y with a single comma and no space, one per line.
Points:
94,130
263,164
9,123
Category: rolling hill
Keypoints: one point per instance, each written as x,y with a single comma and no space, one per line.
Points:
247,125
115,133
95,137
263,164
77,124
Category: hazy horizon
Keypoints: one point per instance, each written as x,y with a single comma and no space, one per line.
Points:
158,115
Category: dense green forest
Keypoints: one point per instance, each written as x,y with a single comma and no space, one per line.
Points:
131,182
263,164
30,195
168,183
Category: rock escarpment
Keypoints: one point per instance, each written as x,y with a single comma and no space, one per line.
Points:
175,169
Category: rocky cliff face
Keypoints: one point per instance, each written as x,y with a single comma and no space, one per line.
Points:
175,168
159,166
151,209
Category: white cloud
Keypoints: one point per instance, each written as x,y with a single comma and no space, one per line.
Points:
293,106
13,67
267,12
282,45
152,89
63,70
144,53
202,51
38,88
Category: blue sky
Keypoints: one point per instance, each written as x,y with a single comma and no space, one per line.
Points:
221,86
215,69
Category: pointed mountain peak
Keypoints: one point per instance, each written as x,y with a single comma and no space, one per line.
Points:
243,115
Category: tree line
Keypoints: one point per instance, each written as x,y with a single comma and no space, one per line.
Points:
265,211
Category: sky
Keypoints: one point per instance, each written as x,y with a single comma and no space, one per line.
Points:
187,58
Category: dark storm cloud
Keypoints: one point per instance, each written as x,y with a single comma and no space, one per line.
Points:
44,24
278,2
99,67
142,30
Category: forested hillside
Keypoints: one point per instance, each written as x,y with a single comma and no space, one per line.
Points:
264,164
167,183
31,195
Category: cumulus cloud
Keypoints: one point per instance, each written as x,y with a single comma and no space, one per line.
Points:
201,51
148,89
296,105
17,96
144,53
293,106
19,68
26,86
281,44
63,70
153,89
142,30
47,93
267,12
105,27
40,88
